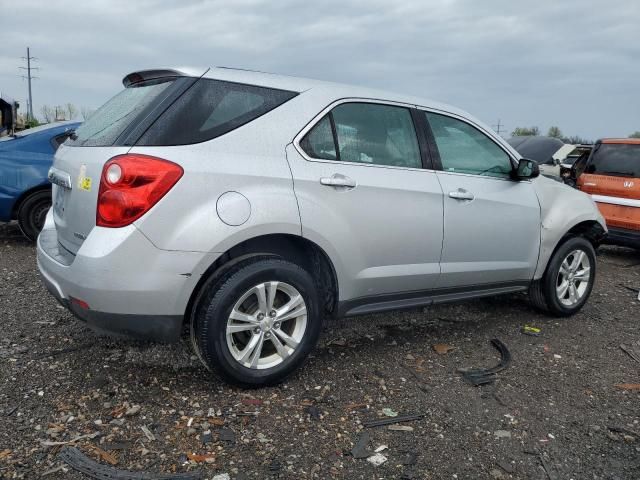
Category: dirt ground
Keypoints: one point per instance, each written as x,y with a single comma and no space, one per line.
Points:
557,412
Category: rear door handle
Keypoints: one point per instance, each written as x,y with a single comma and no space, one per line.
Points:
338,180
461,194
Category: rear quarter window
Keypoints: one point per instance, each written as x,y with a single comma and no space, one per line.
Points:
615,159
209,109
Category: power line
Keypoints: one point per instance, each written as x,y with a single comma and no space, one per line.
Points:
29,77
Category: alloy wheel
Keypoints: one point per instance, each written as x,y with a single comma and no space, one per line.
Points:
573,278
266,325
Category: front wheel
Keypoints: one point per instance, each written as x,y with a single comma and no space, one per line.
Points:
258,323
568,280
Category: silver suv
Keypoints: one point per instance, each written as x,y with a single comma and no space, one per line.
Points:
248,207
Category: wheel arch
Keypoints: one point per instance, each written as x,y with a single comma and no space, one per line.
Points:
43,187
590,229
298,249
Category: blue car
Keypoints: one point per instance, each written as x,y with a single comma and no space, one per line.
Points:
25,158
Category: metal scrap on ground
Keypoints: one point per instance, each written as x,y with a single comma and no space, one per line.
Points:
482,376
388,421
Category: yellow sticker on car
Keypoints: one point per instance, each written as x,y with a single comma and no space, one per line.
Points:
84,182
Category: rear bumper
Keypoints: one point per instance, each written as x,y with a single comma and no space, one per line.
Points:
131,287
623,237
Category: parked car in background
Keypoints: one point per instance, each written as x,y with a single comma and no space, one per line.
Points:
25,159
548,152
611,175
251,206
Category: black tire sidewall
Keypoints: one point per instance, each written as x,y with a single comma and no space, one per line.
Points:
551,275
26,222
212,320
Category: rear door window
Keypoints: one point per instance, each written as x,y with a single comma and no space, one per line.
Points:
621,160
367,133
104,127
211,108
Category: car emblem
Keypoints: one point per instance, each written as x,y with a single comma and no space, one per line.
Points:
628,184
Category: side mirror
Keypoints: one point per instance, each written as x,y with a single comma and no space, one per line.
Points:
526,169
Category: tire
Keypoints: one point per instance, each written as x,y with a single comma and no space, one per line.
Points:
563,294
32,213
285,342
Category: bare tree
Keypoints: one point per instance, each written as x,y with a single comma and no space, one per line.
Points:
86,112
72,111
48,113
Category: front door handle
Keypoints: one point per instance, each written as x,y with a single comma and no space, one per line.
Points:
461,194
338,180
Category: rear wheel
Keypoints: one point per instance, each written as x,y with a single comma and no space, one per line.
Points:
258,323
32,213
568,280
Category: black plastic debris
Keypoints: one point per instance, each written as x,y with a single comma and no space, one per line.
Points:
389,421
483,376
227,435
313,412
360,449
410,458
80,462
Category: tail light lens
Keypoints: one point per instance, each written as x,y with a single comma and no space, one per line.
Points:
130,185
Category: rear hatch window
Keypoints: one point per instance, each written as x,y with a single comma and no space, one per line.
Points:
108,123
619,160
209,109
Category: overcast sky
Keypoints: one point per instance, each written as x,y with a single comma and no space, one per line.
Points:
571,63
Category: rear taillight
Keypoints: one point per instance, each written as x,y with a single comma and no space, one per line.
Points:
130,185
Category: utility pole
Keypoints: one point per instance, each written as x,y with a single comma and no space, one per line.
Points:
497,127
29,77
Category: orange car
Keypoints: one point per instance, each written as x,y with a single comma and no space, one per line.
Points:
611,174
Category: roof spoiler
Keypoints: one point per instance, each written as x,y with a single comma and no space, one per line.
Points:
144,75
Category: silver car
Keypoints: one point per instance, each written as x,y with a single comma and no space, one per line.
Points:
248,207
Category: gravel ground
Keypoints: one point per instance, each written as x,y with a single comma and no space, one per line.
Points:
554,413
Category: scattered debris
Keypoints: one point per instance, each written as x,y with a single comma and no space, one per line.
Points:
532,331
482,376
400,428
5,453
442,348
410,458
502,434
377,459
106,456
80,462
635,290
388,421
204,458
10,411
251,401
628,386
506,466
551,471
47,443
222,476
148,433
389,412
631,352
360,449
51,471
314,412
227,435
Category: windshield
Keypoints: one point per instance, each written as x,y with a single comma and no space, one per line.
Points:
622,160
104,127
